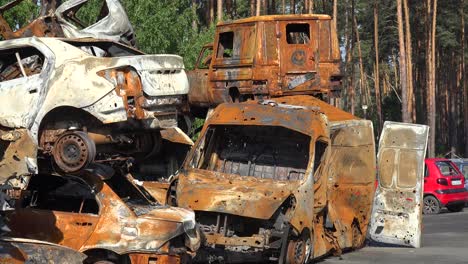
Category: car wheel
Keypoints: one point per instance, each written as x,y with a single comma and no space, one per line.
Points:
455,208
74,151
431,205
299,250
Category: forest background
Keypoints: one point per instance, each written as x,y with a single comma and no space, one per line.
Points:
405,60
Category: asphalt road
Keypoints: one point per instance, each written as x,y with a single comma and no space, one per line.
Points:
445,240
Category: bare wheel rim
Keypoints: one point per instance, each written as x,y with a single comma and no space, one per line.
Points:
299,251
74,151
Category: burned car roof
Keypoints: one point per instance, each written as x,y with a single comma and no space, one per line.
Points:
57,19
276,18
295,112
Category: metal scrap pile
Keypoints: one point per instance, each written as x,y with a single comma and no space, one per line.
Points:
95,165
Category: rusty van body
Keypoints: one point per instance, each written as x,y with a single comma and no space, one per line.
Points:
268,56
291,179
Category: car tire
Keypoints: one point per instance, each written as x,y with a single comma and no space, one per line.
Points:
455,207
431,205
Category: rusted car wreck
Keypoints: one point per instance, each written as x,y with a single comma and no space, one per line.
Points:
62,20
85,214
292,179
268,56
74,104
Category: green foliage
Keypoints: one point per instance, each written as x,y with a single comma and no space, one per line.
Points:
21,14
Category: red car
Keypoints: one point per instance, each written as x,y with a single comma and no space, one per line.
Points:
444,186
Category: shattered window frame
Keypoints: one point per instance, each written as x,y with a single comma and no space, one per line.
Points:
19,61
35,190
298,34
294,171
71,15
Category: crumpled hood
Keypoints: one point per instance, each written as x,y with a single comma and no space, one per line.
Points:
203,190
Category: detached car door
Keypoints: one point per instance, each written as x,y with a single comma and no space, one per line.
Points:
397,209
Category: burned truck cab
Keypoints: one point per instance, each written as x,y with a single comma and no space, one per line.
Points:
268,56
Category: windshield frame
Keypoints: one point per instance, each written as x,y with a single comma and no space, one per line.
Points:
191,164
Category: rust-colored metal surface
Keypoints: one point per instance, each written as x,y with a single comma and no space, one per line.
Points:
268,56
20,251
18,157
67,212
46,25
265,175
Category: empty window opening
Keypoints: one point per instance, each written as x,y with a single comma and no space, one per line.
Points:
320,148
298,33
87,13
259,151
56,193
20,62
226,45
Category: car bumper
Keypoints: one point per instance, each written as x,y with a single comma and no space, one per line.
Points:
460,196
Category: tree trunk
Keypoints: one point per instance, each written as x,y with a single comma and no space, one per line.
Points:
431,86
252,7
211,11
194,13
259,3
377,64
409,64
363,80
311,6
335,13
228,4
283,6
292,6
265,7
273,7
403,69
220,10
464,76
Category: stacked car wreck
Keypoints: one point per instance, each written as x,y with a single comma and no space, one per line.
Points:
93,146
84,123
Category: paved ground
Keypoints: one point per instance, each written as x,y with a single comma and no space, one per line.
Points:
445,240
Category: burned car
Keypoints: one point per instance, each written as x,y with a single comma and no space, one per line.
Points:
125,226
292,179
19,251
71,103
268,56
65,20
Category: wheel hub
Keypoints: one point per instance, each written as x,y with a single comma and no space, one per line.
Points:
74,151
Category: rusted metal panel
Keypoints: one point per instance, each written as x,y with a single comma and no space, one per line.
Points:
397,210
278,55
19,251
351,180
102,221
59,20
18,160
